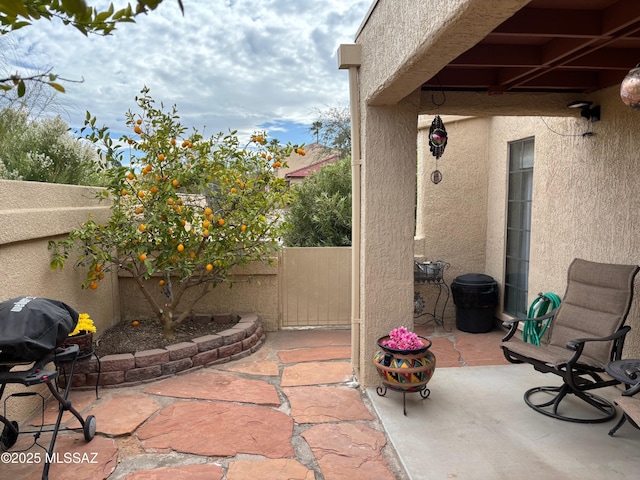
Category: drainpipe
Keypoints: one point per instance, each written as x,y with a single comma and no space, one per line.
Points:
349,57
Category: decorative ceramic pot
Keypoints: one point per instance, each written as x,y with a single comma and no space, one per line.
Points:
405,370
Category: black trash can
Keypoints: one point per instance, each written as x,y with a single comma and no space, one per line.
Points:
475,296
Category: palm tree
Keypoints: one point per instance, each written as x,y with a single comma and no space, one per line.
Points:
316,127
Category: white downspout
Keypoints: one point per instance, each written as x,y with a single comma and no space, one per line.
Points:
349,57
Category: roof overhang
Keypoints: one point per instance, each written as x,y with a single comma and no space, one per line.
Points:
548,53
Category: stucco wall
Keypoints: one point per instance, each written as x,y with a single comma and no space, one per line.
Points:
395,61
389,159
586,199
32,214
452,225
255,289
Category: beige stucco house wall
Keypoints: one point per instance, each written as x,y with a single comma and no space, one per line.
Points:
585,199
32,214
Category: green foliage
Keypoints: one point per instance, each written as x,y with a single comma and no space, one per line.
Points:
320,214
43,151
16,14
187,210
332,130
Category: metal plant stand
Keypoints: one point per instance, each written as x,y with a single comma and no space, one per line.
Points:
424,393
431,273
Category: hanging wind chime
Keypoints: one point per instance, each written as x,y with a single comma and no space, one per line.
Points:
437,140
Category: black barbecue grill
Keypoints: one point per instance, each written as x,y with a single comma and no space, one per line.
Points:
32,331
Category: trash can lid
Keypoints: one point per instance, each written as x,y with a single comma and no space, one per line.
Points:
474,279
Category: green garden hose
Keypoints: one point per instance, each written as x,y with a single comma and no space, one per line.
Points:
532,332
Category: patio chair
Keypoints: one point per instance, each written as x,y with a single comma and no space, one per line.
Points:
586,332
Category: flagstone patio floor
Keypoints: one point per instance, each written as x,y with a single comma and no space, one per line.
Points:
291,410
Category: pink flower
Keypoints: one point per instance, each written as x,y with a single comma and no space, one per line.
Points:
402,339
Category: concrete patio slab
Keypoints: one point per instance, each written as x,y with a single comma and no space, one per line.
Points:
475,425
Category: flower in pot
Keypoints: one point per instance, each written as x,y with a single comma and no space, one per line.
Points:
404,362
401,339
82,335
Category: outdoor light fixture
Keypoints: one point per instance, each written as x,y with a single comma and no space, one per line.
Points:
630,88
586,110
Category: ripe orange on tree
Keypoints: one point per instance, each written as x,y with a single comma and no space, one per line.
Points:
161,283
221,222
142,227
142,257
93,285
181,248
137,129
209,267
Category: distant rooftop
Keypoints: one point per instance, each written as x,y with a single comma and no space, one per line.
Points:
309,169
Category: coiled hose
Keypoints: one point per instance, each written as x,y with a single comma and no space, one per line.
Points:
532,332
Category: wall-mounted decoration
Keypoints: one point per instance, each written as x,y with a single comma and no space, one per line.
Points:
437,137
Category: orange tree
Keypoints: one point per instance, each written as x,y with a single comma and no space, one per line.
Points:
185,211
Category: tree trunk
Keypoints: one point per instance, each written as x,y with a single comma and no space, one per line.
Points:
168,325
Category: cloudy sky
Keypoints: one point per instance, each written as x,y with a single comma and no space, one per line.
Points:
227,64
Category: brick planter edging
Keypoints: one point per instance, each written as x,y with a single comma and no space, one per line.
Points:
127,369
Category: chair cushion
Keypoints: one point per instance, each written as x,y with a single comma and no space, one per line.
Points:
595,305
549,354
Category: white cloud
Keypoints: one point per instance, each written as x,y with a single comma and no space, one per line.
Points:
226,64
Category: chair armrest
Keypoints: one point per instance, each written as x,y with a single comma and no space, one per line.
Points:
512,324
632,391
578,343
